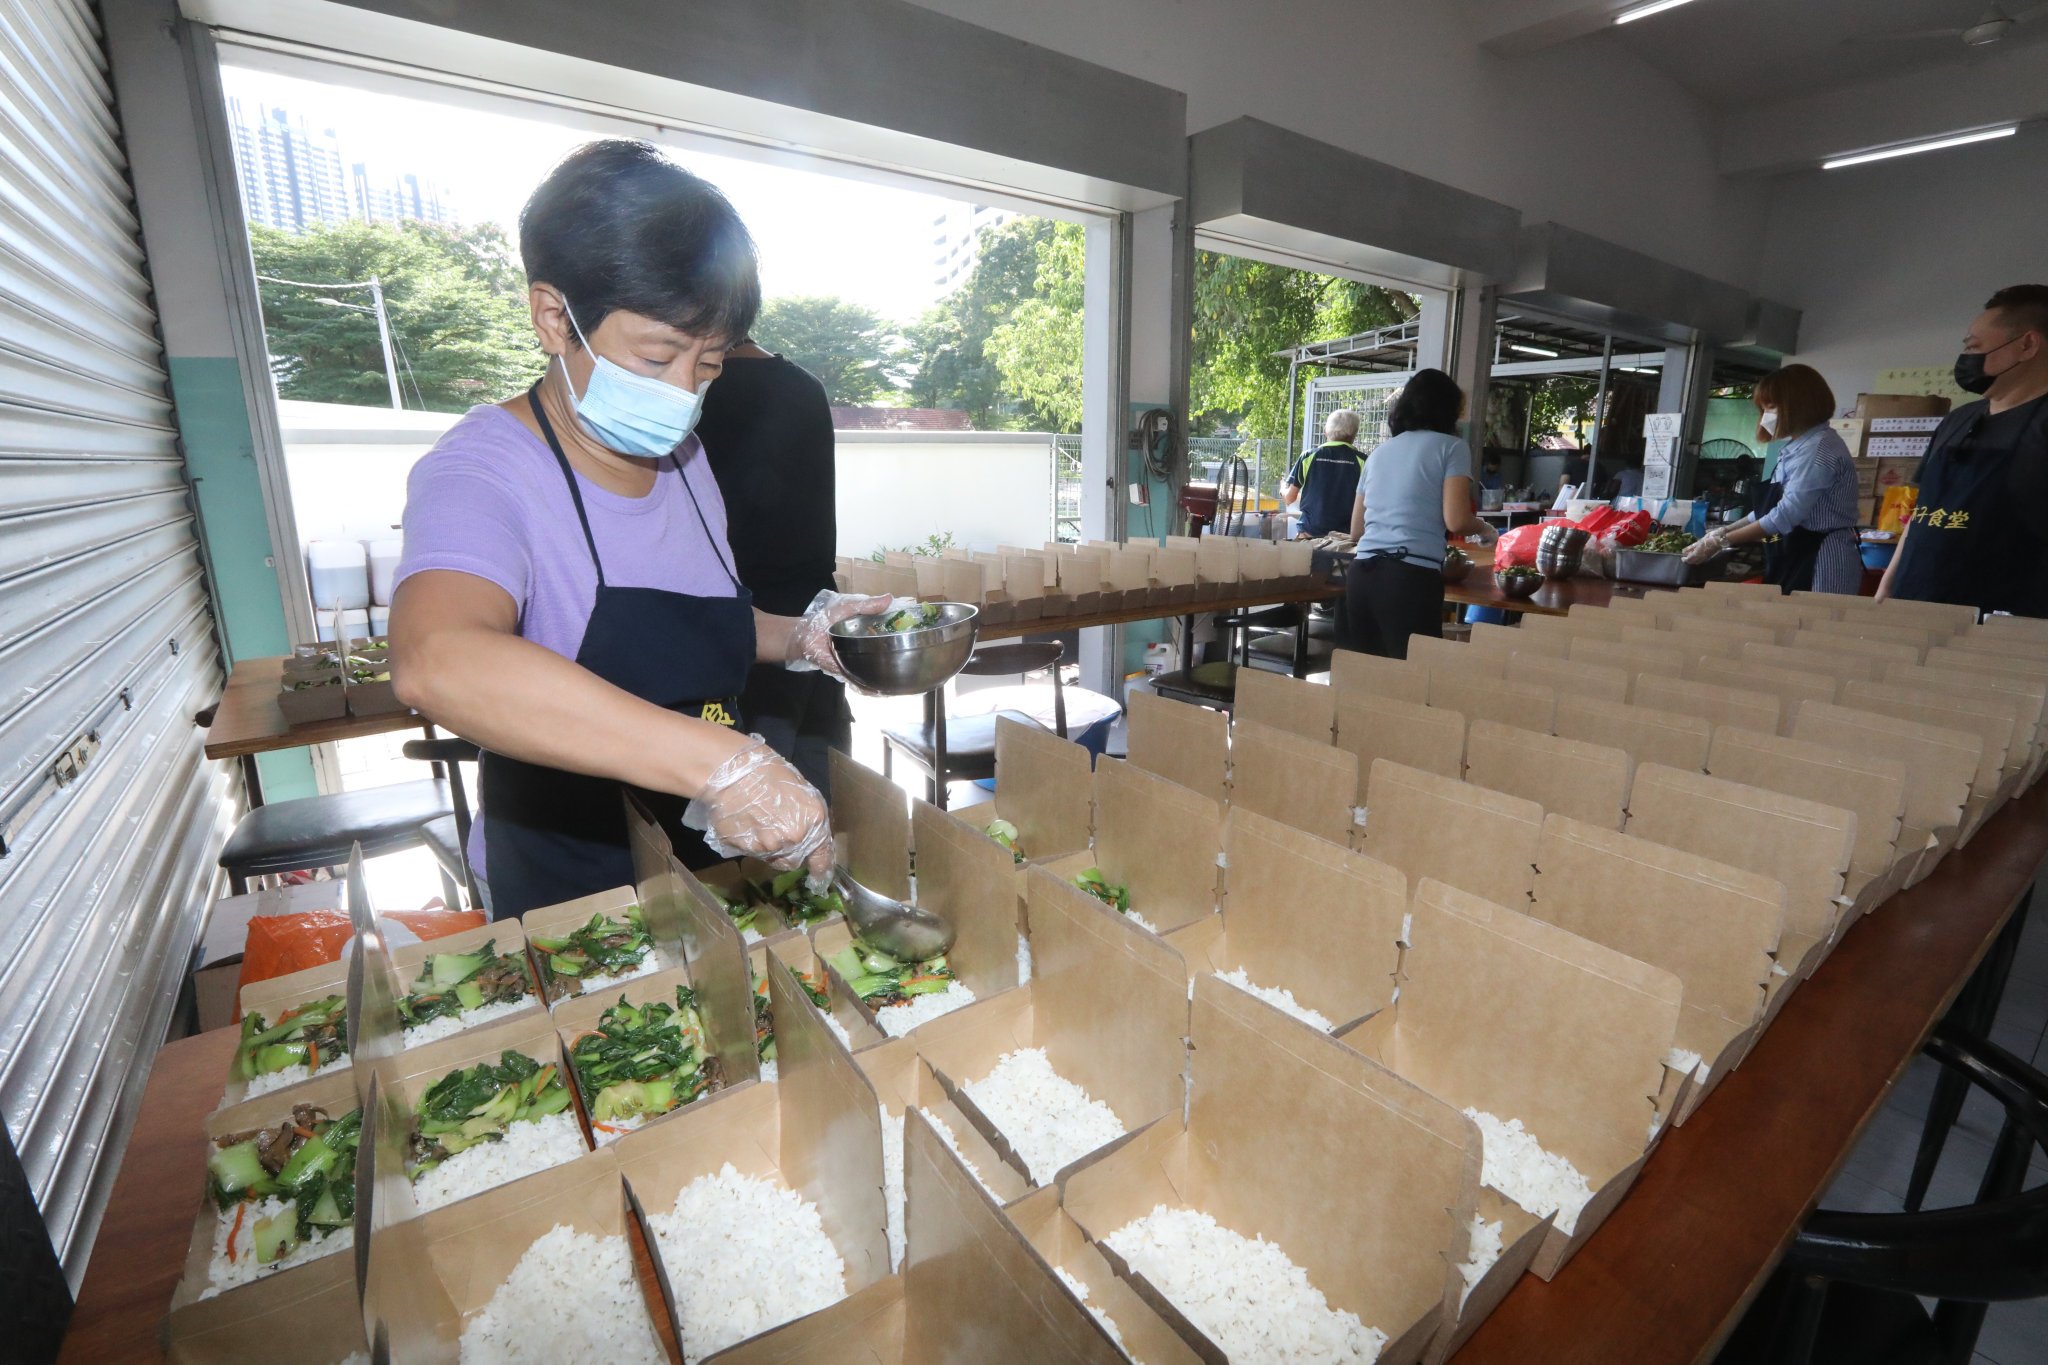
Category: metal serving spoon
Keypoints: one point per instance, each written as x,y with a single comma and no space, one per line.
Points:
902,931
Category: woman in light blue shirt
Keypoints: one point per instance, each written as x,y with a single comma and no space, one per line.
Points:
1811,505
1416,493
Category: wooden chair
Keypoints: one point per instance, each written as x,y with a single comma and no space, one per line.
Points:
963,748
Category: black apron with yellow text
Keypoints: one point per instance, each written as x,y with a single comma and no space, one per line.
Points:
550,835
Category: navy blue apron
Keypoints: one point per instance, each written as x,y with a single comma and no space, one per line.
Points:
551,836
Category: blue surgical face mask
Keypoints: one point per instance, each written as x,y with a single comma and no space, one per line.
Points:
634,414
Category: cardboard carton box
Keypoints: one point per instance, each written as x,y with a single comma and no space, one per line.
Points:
1395,679
1663,660
1187,745
1300,708
1107,1002
1873,406
1805,846
1987,677
1567,677
870,827
554,921
1530,706
579,1016
1758,592
1939,765
1999,766
1303,916
1427,737
1045,787
410,961
1517,1018
1451,658
1862,625
1791,686
1712,926
1588,782
799,953
1874,787
278,996
1597,625
1935,616
1298,782
1479,841
1987,639
1836,663
1061,1244
1645,733
315,697
904,1081
1694,648
1377,1234
1711,702
1691,628
1157,840
1512,639
2001,626
316,1312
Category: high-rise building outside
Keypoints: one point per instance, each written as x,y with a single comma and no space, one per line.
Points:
956,236
293,175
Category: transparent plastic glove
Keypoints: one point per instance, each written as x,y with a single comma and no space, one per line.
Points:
1705,548
756,805
810,639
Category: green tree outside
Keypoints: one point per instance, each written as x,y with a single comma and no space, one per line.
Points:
849,348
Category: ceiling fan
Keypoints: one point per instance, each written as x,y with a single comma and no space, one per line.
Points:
1994,27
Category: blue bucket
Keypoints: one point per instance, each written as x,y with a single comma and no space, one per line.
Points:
1876,554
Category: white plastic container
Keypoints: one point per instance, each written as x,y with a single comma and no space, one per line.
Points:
356,623
338,572
380,621
384,555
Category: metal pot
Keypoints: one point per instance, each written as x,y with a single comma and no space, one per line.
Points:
907,662
1559,549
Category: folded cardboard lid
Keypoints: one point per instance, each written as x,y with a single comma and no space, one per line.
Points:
1532,706
1424,825
1712,926
1309,784
1453,657
1351,671
315,1309
1791,686
1044,786
1836,663
1871,784
1706,625
1158,839
1940,762
1649,734
1803,845
1570,677
1863,626
1994,723
1187,745
1632,659
970,881
1693,646
1300,708
1568,776
1827,636
870,827
1711,701
1431,738
1516,1017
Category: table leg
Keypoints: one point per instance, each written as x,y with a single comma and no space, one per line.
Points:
1301,640
252,780
1187,642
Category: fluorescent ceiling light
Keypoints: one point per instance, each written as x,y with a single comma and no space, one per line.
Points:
1908,149
1532,350
1641,369
1629,16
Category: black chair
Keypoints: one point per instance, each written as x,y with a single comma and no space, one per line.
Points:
963,748
1850,1288
1973,1013
448,837
318,831
1241,628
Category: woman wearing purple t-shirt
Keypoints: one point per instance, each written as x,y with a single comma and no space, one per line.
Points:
567,598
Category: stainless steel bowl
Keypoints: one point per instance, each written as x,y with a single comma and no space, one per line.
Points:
905,663
1518,586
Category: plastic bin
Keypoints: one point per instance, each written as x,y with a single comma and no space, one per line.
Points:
338,573
384,555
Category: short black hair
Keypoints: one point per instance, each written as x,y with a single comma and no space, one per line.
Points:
2025,306
1431,401
618,226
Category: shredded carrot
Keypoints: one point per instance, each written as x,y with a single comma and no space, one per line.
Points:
306,1133
312,1055
608,1128
235,1231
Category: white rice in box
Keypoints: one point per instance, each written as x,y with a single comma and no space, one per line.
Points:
1245,1294
225,1274
448,1025
953,1145
744,1255
892,1183
648,967
573,1299
1047,1119
1517,1165
1278,997
771,1072
1023,959
533,1145
1094,1309
291,1075
1678,1059
1139,920
1486,1248
897,1020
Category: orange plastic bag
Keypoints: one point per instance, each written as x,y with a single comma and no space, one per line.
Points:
281,944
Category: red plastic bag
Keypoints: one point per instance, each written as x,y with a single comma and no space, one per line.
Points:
279,945
1618,529
1517,548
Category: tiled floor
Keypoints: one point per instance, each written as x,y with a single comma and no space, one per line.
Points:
1874,1178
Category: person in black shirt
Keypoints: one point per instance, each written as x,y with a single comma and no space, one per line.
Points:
767,429
1979,533
1324,481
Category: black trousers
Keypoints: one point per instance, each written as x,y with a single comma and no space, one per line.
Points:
1386,600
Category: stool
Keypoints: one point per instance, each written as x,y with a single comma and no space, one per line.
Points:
319,831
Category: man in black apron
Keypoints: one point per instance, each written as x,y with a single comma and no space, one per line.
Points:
1979,534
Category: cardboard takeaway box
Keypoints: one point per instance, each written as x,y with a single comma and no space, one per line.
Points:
1306,784
1378,1222
1712,926
1396,679
1373,727
1588,782
904,1081
409,961
2000,764
1107,1002
1045,786
965,878
1304,916
1300,708
1421,825
230,1325
1158,840
554,921
1519,1019
1187,745
1939,765
274,997
870,827
798,953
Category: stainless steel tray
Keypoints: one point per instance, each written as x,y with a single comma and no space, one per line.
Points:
1671,571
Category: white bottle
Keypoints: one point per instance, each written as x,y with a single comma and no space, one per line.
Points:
338,572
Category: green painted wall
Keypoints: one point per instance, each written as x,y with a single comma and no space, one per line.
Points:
1731,419
220,452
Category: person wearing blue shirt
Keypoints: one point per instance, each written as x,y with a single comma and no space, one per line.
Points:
1811,510
1323,481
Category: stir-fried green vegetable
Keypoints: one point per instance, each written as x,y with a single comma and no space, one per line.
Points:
916,617
478,1103
743,914
603,947
308,1160
1005,833
764,1024
455,983
1117,898
881,980
310,1035
1519,571
643,1060
799,904
1669,542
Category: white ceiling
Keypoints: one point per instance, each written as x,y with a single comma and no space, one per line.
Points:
1736,53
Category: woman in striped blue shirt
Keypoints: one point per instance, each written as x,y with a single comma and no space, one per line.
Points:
1811,508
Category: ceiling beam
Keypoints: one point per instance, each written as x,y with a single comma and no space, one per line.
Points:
1515,27
2007,86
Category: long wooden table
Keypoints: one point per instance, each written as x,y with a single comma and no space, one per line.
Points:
1664,1279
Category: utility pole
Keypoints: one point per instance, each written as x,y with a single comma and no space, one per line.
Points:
384,339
